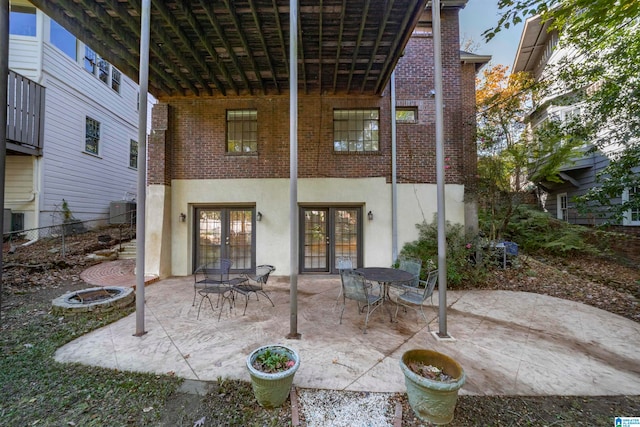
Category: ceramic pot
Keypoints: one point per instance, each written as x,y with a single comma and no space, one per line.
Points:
432,401
272,389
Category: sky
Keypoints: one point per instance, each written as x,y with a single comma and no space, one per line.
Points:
477,17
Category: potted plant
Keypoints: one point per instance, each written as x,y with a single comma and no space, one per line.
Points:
272,368
432,380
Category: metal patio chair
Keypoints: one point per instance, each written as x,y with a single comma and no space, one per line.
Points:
354,287
259,280
414,297
413,266
343,263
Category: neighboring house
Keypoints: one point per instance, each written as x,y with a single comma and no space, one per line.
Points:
219,156
82,145
537,53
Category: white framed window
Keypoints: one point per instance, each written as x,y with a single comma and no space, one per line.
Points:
22,21
356,130
102,69
63,40
563,207
116,78
133,154
632,216
92,136
242,131
406,114
90,60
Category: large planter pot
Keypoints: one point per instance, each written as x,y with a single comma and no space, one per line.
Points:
432,400
272,389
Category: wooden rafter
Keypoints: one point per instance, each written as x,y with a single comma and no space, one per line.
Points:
301,53
376,45
320,41
365,13
339,46
285,54
211,15
265,48
186,44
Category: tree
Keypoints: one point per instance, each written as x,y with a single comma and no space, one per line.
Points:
605,36
510,157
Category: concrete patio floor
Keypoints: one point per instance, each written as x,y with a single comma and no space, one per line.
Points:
509,343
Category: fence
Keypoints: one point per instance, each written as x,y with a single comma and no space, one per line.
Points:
71,232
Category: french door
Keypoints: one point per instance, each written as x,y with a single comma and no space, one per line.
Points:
225,233
328,233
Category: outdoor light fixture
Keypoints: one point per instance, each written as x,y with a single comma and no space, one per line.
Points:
370,216
183,217
259,216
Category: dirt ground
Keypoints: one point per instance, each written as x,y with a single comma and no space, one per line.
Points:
36,274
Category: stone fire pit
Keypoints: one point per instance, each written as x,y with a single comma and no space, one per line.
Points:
94,300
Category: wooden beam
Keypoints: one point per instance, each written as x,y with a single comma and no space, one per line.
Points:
339,46
256,19
381,30
245,44
211,15
356,49
283,45
320,47
301,53
197,28
187,45
410,19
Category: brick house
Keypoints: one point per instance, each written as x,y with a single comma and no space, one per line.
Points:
218,162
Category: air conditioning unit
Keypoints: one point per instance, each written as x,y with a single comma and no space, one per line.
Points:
122,212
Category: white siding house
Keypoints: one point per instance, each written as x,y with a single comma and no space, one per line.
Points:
83,94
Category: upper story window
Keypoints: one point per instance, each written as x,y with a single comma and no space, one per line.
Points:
22,21
63,40
242,131
406,115
356,130
102,69
632,217
92,136
133,154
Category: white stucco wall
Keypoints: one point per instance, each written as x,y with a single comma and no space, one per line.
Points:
416,203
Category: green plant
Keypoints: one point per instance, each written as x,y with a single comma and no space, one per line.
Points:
272,361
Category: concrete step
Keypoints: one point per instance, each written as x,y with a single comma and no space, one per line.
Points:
128,250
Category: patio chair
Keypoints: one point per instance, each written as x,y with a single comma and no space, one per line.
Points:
260,279
343,263
209,280
414,297
354,287
413,266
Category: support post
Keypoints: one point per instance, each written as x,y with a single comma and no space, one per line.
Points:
4,76
145,25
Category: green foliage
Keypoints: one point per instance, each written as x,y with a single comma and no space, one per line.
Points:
459,251
35,389
272,361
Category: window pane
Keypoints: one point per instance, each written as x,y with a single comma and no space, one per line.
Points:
103,70
355,130
242,131
63,40
22,21
115,80
406,115
92,139
89,60
133,154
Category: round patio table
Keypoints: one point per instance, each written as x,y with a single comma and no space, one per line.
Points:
386,275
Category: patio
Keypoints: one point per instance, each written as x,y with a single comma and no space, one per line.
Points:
509,343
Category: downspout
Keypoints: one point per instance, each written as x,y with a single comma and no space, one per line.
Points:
293,168
145,25
40,17
4,80
394,171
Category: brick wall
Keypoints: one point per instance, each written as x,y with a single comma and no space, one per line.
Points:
193,147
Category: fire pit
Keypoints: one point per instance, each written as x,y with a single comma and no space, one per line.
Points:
94,300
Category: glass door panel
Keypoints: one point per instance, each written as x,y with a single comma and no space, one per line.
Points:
208,238
346,235
315,240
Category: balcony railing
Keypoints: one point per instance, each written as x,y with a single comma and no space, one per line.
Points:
25,115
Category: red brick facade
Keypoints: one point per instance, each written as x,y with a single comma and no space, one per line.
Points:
188,136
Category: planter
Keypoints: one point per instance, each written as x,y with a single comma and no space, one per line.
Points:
432,400
272,389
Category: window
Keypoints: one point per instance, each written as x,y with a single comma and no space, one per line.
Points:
406,115
242,131
22,21
89,60
632,216
133,154
104,69
116,76
356,130
63,40
563,211
92,138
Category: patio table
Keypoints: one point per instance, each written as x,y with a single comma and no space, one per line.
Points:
386,276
